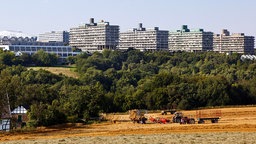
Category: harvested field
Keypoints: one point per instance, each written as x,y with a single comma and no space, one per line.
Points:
237,125
67,71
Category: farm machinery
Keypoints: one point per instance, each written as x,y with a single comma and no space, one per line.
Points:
180,118
138,116
171,111
159,120
212,115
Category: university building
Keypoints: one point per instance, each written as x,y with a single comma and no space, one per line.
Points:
190,40
94,36
61,51
234,43
20,45
54,36
144,40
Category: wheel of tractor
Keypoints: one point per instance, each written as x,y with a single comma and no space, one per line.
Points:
191,121
201,122
215,121
178,120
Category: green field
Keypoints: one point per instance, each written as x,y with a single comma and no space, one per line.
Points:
67,71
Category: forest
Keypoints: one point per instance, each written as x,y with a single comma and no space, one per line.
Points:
117,81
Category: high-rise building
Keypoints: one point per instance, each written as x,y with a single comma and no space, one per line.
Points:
190,40
54,36
234,43
94,36
142,39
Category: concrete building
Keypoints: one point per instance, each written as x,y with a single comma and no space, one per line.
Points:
20,45
54,36
94,36
234,43
27,41
144,40
190,40
62,51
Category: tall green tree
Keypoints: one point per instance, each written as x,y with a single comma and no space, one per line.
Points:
41,58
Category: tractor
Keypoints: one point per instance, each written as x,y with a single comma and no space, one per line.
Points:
180,118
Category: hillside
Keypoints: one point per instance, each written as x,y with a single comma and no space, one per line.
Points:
115,81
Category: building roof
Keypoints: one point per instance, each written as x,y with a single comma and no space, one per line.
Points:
19,110
13,34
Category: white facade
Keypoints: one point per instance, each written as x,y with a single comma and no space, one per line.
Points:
54,36
94,36
234,43
5,124
144,40
190,40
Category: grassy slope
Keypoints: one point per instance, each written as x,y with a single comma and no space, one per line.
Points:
67,71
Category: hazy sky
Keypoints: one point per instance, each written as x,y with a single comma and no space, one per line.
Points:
38,16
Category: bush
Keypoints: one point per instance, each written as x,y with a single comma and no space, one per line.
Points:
73,118
32,123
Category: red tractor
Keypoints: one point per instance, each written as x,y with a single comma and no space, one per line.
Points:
179,118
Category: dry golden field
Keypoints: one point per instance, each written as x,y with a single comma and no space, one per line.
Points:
67,71
237,125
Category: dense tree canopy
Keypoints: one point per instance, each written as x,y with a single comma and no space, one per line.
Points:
40,58
115,81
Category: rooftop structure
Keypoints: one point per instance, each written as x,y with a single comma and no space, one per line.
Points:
248,57
94,36
190,40
27,41
142,39
234,43
10,34
5,40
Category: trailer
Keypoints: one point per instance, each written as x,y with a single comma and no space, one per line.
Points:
211,115
171,111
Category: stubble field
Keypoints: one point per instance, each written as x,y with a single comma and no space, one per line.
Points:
237,125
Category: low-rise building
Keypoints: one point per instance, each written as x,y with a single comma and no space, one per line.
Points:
144,39
5,40
5,115
19,116
62,51
190,40
234,43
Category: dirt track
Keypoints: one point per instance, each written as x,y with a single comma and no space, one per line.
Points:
237,125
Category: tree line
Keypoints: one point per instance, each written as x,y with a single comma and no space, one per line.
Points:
117,81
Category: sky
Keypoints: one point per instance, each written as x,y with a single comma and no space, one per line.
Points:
39,16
